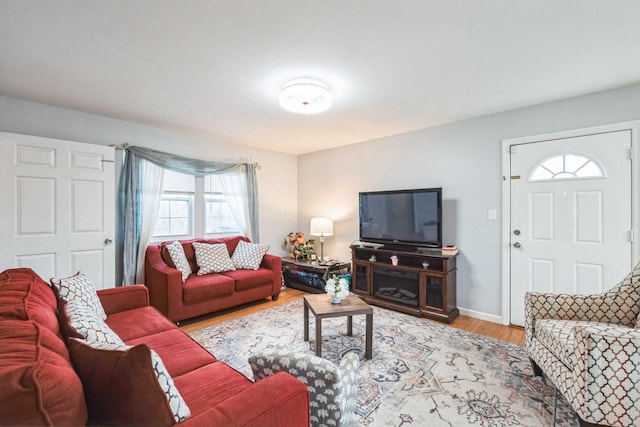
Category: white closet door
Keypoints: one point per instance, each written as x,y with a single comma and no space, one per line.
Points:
58,207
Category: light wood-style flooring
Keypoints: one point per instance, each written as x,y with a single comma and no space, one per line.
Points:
511,334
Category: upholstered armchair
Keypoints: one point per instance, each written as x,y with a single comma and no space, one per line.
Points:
589,347
333,389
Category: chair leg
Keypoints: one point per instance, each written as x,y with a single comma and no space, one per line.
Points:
537,371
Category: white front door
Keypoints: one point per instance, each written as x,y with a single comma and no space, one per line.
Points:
57,211
571,216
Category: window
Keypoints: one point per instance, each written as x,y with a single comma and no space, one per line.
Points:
218,215
566,166
192,207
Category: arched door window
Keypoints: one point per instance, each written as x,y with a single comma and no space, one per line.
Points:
566,166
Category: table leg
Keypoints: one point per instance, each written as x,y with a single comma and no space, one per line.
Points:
369,343
306,323
318,336
350,325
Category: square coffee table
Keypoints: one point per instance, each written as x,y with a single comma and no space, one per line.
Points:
321,307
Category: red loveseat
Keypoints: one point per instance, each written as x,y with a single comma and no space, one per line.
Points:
41,382
208,293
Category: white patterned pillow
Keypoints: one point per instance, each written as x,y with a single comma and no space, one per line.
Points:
78,289
212,258
121,365
248,256
92,328
176,251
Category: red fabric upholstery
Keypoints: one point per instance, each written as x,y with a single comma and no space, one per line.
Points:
194,297
210,286
141,322
177,350
121,387
248,279
38,385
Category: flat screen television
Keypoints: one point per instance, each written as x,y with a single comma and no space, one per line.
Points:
402,217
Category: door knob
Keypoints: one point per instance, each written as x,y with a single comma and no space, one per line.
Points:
517,245
108,241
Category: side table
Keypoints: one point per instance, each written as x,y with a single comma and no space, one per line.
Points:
321,307
310,276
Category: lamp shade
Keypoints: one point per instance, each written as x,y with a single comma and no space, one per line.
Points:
321,226
305,96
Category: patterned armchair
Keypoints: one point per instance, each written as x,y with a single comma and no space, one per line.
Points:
589,347
332,389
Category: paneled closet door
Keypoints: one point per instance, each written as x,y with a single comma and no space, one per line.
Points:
58,207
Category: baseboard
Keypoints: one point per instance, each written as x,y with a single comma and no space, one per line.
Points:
480,315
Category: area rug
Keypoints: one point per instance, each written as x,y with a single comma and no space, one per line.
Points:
422,373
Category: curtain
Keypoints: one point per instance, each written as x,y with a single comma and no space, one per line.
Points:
234,187
140,211
150,192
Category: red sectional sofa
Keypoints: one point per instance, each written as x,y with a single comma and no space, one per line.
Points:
210,292
39,383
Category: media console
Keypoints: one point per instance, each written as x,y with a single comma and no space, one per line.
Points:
423,283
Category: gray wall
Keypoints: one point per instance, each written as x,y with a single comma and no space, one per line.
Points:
464,158
277,184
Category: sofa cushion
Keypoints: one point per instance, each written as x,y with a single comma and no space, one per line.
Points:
248,255
248,279
201,393
25,296
212,258
126,385
205,288
179,259
78,289
177,350
38,385
139,322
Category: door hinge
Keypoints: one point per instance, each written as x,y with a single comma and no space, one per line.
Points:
515,176
631,235
631,155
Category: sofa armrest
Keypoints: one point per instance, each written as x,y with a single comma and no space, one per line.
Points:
277,401
123,298
607,355
603,308
271,262
164,282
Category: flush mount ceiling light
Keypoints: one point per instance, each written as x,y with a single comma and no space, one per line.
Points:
306,96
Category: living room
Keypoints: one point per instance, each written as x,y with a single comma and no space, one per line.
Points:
462,154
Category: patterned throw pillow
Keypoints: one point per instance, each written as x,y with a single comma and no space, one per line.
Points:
212,258
179,259
248,256
127,385
79,290
90,327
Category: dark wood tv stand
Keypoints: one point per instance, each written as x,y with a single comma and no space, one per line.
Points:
409,287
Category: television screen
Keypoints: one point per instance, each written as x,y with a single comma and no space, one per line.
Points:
412,217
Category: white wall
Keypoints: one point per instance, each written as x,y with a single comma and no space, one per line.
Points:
277,183
464,159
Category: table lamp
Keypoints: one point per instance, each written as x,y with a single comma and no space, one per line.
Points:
321,226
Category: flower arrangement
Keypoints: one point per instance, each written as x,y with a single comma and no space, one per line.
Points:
298,246
337,288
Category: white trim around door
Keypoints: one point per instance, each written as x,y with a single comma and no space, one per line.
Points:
633,127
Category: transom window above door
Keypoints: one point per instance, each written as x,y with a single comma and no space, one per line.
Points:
566,166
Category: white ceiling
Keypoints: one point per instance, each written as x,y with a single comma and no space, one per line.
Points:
215,68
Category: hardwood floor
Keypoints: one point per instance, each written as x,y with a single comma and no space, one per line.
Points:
511,334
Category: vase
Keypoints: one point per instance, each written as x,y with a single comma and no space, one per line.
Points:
335,299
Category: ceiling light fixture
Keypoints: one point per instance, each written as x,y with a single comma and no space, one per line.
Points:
305,96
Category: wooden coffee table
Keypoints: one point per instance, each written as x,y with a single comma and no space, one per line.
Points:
321,307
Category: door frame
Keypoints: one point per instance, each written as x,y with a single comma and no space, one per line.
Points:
633,126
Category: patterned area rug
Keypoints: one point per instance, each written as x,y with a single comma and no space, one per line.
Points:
422,373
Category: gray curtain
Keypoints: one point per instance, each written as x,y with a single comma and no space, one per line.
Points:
130,191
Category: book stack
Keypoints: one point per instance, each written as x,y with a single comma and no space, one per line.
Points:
449,250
